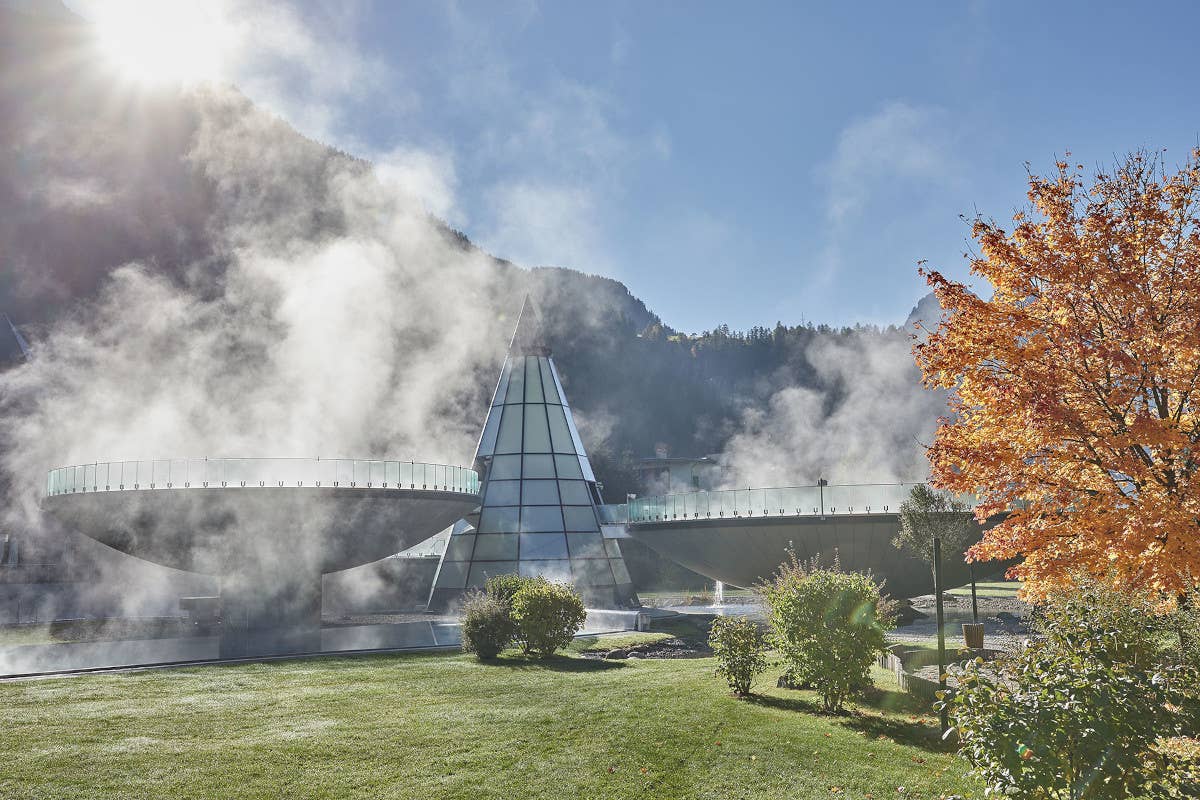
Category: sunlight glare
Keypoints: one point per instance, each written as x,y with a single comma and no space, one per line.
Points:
163,41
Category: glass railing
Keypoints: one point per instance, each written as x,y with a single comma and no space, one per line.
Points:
793,501
613,513
250,473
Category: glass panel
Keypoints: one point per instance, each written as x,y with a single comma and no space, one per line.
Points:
145,474
579,518
459,547
543,545
487,441
620,571
548,382
391,473
612,548
89,477
502,385
480,572
533,381
541,518
559,431
509,440
375,472
568,466
592,572
453,575
539,466
505,468
575,493
539,493
585,545
503,493
128,474
496,547
516,383
550,570
498,520
537,438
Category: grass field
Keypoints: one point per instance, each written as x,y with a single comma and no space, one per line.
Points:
432,726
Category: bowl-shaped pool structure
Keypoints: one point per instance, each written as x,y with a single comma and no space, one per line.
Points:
268,528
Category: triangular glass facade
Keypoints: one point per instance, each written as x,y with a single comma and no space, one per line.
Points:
539,496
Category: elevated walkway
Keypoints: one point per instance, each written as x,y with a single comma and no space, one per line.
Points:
740,537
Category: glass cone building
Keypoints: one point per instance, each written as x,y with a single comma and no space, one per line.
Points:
538,494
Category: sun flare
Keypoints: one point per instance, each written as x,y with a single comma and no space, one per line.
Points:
163,41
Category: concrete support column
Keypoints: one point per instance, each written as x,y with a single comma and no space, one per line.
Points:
271,611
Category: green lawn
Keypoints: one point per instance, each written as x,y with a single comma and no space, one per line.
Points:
602,644
35,633
989,589
433,726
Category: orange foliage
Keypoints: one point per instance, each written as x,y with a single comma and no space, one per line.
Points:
1075,387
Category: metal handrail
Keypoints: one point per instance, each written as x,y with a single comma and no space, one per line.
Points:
248,473
816,500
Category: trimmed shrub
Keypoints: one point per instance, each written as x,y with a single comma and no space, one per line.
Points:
503,587
487,626
547,615
829,626
739,646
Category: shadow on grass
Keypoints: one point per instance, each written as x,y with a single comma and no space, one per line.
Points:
908,730
555,663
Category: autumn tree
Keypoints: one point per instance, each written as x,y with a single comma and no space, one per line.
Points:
1074,385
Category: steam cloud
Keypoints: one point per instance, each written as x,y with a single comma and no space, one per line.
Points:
867,421
332,317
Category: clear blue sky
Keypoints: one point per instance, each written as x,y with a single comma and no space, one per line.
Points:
737,162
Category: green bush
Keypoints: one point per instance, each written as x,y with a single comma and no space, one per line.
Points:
740,649
487,625
1116,626
1084,710
1049,723
829,626
503,587
547,615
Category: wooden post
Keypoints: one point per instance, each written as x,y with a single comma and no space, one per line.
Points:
941,624
974,599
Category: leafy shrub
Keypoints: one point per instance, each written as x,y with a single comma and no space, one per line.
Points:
1048,723
1118,626
503,587
547,615
829,626
487,625
1180,773
1083,711
740,649
1185,625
